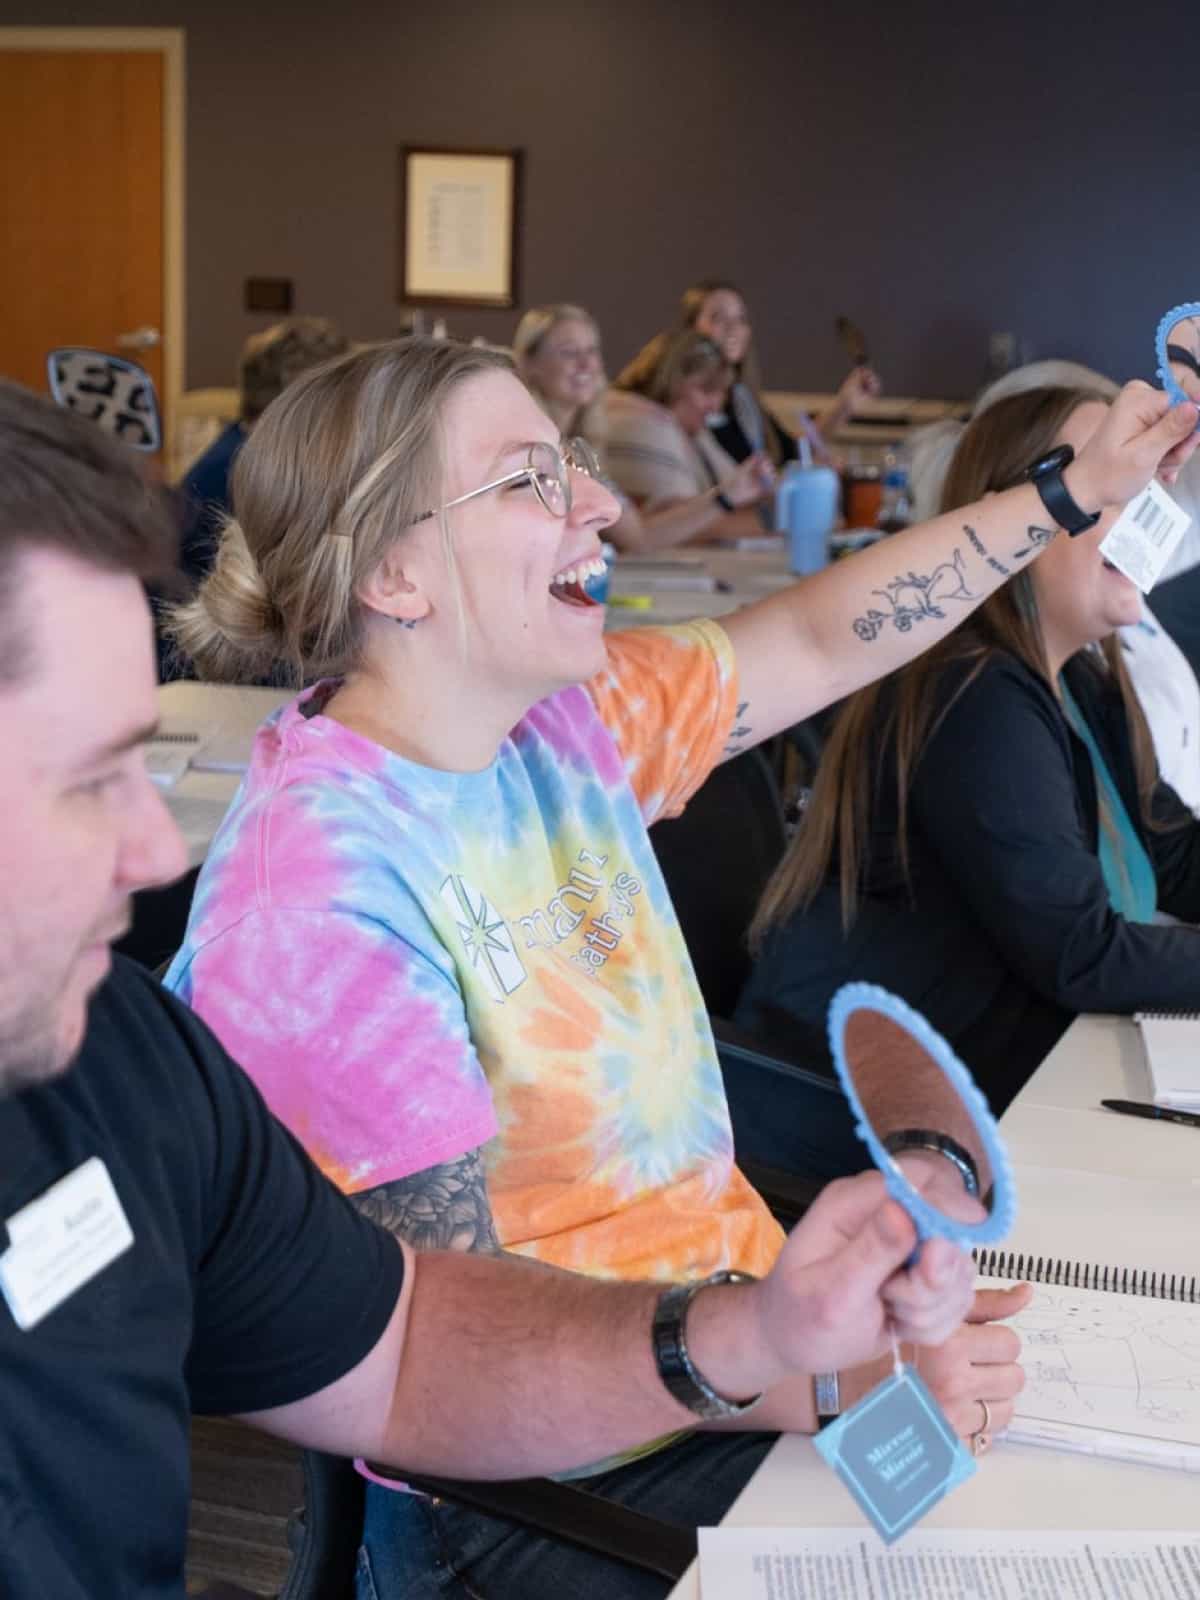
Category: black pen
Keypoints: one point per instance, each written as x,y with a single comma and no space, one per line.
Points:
1133,1108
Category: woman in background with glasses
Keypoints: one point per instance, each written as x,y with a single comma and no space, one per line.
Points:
559,359
663,455
432,926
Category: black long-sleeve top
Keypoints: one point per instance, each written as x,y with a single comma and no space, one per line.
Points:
1006,931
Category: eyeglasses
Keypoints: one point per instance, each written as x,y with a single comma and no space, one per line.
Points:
547,469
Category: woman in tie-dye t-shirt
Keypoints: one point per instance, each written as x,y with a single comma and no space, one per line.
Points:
432,926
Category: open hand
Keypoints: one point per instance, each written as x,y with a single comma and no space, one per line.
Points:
980,1361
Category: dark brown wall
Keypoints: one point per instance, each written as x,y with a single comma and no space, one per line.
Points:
935,171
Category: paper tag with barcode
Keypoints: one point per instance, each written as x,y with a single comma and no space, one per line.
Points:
1143,538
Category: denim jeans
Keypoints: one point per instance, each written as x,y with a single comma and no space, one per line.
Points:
418,1549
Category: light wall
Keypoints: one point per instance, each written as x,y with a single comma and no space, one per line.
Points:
935,172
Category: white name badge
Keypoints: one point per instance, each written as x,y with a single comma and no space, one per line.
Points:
60,1241
1143,538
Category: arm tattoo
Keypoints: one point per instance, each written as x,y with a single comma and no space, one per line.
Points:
980,548
913,598
443,1208
1038,538
740,732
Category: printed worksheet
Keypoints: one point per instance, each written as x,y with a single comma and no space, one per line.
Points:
848,1564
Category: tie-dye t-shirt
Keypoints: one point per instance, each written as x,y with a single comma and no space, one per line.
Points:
412,963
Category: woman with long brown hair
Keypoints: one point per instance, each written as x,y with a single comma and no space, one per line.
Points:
988,835
717,308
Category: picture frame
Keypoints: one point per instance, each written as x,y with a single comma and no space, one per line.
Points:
459,226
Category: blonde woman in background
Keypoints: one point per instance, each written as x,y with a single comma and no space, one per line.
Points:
559,358
663,455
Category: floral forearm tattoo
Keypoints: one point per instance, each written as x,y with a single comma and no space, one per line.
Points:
914,597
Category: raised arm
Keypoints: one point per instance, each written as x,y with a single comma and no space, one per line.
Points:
822,638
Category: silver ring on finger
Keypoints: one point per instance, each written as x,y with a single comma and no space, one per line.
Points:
980,1441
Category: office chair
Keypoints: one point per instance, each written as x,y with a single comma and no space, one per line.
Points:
716,859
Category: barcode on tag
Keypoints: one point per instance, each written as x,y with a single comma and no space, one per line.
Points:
1143,538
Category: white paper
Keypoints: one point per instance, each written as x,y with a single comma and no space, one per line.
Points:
1143,538
963,1564
1108,1374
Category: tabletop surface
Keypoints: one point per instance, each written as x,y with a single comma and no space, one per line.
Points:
1091,1185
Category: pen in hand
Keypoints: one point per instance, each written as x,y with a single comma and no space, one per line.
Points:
1134,1108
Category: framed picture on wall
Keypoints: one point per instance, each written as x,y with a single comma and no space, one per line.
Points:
459,221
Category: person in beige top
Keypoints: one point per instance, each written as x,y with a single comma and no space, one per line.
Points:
663,456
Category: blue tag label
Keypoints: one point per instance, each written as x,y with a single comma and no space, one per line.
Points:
896,1453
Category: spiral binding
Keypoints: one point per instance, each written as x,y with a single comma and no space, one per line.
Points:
1168,1016
1087,1275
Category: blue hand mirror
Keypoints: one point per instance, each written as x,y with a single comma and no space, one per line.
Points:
879,1042
117,394
1177,348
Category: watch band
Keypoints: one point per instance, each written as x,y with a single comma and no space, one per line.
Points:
828,1396
941,1144
1046,476
723,500
669,1335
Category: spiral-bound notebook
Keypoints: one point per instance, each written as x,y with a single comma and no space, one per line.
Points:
1171,1041
1111,1358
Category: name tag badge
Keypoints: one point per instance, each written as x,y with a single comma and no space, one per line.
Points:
1143,538
896,1453
60,1241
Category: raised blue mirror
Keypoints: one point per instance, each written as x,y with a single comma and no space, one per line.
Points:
1177,348
879,1042
117,394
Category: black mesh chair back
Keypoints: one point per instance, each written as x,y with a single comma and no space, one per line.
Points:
716,859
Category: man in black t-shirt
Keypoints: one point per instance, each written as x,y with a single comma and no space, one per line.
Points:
165,1244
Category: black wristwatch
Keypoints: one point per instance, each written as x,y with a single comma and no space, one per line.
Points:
723,500
940,1144
671,1352
1046,476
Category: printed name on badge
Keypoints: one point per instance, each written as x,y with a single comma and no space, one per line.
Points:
60,1241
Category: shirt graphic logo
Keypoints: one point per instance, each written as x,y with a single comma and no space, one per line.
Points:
485,937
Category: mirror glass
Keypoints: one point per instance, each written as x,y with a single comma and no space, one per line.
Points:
116,393
899,1074
1177,347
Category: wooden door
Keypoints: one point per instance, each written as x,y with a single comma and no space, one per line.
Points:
81,206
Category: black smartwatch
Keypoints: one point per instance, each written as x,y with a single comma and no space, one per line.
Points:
671,1355
1046,476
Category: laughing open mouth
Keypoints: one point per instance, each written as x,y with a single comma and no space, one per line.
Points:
571,585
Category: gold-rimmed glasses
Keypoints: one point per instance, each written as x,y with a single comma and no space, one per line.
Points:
547,469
